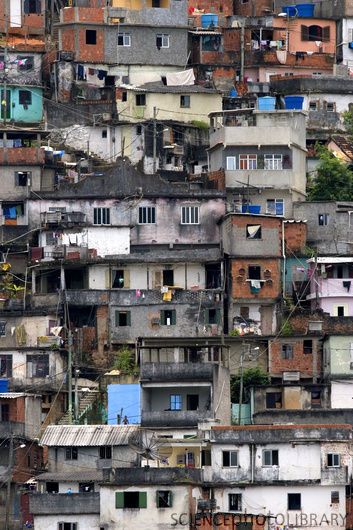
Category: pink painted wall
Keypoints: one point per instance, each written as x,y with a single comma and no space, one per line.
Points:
295,39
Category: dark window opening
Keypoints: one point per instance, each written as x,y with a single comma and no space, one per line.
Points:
185,102
105,452
253,232
213,276
274,400
192,402
123,318
85,487
118,279
235,502
254,272
37,365
245,312
138,130
168,277
230,458
308,346
270,457
5,365
91,36
140,100
52,487
335,497
340,311
206,457
71,453
75,279
287,351
339,271
168,317
316,398
32,7
104,133
24,97
22,178
131,499
324,219
124,96
164,499
5,412
294,501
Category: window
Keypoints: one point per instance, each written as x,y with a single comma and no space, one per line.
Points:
4,412
164,499
275,206
67,526
105,452
71,453
52,487
315,398
101,216
104,133
330,107
32,7
270,457
124,96
231,164
5,365
85,487
22,178
185,102
91,36
176,402
190,215
308,346
140,100
234,502
273,162
147,215
168,317
122,318
192,402
162,40
247,162
287,351
212,316
25,63
324,219
273,400
130,499
294,501
2,328
335,497
340,310
37,365
118,279
315,33
254,272
168,277
253,232
313,106
124,39
24,97
230,459
333,460
138,130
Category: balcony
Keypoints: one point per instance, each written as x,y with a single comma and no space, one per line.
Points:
21,155
48,341
174,418
177,372
63,252
335,287
56,503
152,475
67,219
334,475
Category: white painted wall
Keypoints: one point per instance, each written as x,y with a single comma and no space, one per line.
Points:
347,30
149,518
50,522
342,394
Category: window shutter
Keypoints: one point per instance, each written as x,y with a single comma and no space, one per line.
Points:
170,495
116,319
157,499
126,279
173,317
157,280
218,316
305,32
326,34
119,499
128,318
207,316
142,499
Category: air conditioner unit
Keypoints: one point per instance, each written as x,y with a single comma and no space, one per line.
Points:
290,376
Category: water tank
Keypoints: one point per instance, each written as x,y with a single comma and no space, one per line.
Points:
293,102
266,103
305,10
291,11
209,20
233,93
4,385
251,208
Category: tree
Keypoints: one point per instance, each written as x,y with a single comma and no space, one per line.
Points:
251,377
334,180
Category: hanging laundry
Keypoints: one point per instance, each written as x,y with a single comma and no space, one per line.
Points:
80,72
12,212
102,74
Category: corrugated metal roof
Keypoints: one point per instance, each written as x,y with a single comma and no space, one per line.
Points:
205,32
12,395
87,435
71,476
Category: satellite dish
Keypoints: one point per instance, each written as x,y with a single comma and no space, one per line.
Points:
149,446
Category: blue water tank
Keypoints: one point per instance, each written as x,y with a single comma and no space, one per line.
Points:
291,11
266,103
293,102
209,20
251,208
4,385
305,10
233,93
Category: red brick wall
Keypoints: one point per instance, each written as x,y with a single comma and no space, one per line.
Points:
218,177
27,461
253,7
302,362
93,53
224,7
22,155
229,521
231,39
241,287
83,14
295,236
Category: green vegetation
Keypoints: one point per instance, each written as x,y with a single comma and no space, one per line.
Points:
286,329
200,124
251,377
334,180
125,362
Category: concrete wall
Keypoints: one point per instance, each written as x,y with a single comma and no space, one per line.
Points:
342,394
25,330
338,355
25,77
34,111
138,12
88,458
236,242
50,522
154,399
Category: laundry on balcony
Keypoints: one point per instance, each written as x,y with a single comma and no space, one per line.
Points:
347,285
255,286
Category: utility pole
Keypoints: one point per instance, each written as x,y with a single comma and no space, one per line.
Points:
69,372
154,140
8,486
4,100
241,381
77,371
242,50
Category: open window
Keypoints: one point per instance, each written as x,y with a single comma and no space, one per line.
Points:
37,365
130,499
91,36
273,400
254,272
253,232
164,499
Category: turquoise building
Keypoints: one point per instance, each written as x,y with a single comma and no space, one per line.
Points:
24,104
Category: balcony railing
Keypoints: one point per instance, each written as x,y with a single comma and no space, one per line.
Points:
70,504
174,418
62,218
176,371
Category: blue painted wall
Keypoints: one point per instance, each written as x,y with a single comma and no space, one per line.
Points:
18,112
126,397
294,266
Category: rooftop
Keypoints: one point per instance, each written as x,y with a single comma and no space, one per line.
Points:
303,84
87,435
170,89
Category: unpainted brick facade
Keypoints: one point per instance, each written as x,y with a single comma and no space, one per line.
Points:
270,276
289,354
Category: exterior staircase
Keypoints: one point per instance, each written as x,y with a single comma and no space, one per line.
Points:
86,401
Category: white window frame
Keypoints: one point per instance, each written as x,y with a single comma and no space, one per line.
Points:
273,162
103,215
263,457
231,163
334,457
165,40
250,161
314,102
126,39
190,215
147,215
74,526
233,455
274,211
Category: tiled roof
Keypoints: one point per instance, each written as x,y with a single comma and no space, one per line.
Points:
71,476
87,435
